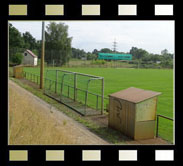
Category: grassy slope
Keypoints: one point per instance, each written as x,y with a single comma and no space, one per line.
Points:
151,79
32,126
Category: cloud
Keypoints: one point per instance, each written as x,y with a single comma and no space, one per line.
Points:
153,36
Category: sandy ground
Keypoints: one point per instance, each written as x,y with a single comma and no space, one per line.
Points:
34,122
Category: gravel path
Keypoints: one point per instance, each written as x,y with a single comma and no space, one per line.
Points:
33,121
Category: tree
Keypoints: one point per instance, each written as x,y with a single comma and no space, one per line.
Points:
166,55
106,50
91,56
57,44
29,41
95,51
138,53
78,54
167,63
38,48
16,42
147,58
17,58
134,52
15,38
164,52
155,58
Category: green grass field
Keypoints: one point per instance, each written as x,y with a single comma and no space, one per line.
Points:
160,80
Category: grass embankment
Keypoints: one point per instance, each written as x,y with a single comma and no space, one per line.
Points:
28,125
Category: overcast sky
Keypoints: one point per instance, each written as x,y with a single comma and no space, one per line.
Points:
153,36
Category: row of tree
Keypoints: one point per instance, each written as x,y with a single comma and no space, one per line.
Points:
19,42
25,40
57,43
81,54
58,48
165,59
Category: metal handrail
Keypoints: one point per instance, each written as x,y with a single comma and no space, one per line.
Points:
77,73
165,117
62,84
157,125
68,85
32,74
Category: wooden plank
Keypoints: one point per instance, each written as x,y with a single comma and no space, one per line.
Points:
122,116
144,130
146,110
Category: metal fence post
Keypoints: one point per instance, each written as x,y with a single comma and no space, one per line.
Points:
75,86
37,80
97,103
56,81
86,98
62,86
68,91
50,85
102,97
157,126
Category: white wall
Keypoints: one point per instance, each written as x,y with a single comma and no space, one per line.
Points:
29,60
35,61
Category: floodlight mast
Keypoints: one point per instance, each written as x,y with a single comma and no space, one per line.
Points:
42,57
114,45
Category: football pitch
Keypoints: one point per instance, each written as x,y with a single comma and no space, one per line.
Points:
116,79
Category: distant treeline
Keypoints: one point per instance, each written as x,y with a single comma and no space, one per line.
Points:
165,59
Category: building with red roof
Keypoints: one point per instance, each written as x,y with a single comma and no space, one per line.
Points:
30,58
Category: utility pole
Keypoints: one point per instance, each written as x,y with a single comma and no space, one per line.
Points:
42,58
114,45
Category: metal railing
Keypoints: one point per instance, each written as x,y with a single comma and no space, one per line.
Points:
157,123
61,78
32,77
49,82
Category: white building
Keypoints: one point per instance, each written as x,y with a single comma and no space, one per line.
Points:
30,58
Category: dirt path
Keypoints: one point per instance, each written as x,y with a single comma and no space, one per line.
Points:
32,121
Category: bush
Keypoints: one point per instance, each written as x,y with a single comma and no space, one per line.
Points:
17,58
98,62
91,56
167,64
133,62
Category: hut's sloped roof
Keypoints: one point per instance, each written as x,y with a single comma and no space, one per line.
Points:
31,53
135,95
